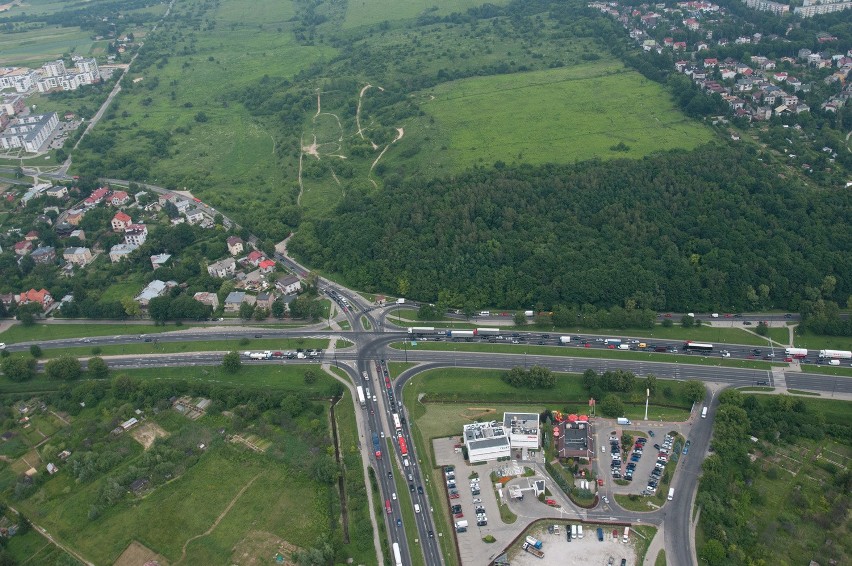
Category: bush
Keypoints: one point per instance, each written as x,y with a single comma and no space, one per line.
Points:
489,539
35,351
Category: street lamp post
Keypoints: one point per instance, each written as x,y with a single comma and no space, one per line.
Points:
647,396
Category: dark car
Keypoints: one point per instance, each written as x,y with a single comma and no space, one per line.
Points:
411,487
258,335
399,522
420,489
431,534
390,475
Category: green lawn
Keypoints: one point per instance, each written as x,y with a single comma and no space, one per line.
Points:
828,370
273,344
472,386
560,115
520,349
819,342
661,559
286,377
19,333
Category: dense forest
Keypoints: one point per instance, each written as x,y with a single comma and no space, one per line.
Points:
711,229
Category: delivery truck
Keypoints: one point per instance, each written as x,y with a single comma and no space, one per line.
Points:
623,421
671,493
532,541
564,340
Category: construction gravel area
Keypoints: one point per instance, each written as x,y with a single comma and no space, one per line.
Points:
587,551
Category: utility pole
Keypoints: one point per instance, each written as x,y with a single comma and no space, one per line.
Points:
647,396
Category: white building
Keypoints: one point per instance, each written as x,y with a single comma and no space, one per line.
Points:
120,251
523,430
54,68
222,268
812,8
154,289
29,132
485,442
135,234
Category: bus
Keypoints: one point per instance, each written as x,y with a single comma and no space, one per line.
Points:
397,426
697,346
388,506
403,448
361,398
397,556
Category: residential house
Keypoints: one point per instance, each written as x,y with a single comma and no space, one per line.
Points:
154,289
255,280
168,197
160,260
31,236
44,255
96,197
77,256
267,266
23,247
43,219
121,251
136,234
235,299
74,217
32,296
8,298
265,299
194,216
288,284
120,222
57,192
182,205
235,245
119,198
255,257
207,299
79,234
222,268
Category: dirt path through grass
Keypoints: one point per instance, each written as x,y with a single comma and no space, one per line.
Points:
218,519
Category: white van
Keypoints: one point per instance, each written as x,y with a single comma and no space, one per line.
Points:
405,462
579,531
484,313
626,535
671,493
416,508
573,531
704,413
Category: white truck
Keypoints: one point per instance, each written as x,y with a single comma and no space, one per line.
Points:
529,314
704,413
461,526
259,355
836,354
671,493
622,421
564,340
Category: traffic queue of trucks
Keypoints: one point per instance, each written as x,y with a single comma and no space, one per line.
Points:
269,355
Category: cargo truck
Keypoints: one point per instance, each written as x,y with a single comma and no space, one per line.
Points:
533,550
622,421
626,535
529,314
376,448
564,340
488,331
532,541
671,493
421,330
614,341
461,526
797,353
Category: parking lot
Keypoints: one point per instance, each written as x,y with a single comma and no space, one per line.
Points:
588,551
473,550
654,433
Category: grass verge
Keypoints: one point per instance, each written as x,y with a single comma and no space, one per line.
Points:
661,559
567,351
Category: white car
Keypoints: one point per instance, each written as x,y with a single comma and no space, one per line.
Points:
382,433
605,499
393,496
477,500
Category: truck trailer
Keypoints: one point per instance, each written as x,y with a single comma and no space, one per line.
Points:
533,550
836,354
461,333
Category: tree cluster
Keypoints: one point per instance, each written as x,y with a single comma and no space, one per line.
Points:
537,377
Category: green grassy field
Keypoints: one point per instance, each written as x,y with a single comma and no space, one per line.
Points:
34,47
559,115
521,349
366,12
